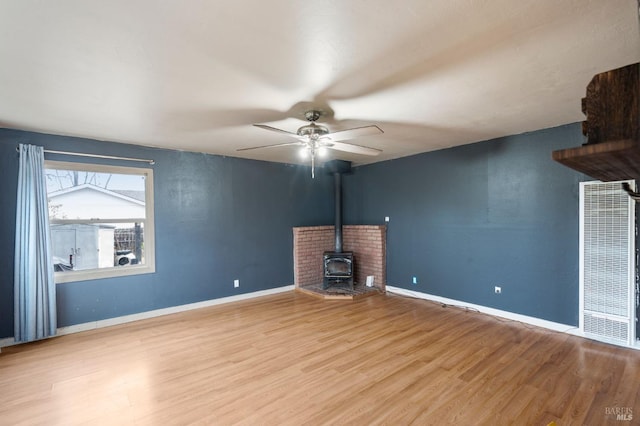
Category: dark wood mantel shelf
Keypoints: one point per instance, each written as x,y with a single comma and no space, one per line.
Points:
606,161
612,128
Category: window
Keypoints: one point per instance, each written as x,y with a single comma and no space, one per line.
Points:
101,220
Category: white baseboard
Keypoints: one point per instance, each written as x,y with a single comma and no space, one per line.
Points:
555,326
9,341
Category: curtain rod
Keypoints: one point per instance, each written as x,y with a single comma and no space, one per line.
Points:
110,157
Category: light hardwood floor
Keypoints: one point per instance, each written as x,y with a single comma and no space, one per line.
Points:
294,359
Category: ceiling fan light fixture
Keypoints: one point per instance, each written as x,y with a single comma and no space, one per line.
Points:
316,138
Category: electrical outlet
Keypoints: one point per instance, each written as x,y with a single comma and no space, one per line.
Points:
415,280
236,283
386,218
498,290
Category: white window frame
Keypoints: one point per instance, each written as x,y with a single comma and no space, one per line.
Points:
149,265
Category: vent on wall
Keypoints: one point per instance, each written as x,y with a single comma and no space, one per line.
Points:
607,245
610,328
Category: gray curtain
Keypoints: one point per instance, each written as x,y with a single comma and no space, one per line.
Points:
34,285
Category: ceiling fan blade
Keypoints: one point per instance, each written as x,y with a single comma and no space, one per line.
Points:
356,132
270,146
355,149
274,129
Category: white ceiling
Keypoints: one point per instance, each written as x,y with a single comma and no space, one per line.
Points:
194,75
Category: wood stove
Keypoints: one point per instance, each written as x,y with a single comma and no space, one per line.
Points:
338,264
338,269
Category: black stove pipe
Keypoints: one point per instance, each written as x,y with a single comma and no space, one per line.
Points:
337,168
337,181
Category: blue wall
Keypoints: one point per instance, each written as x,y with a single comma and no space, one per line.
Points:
466,219
463,220
217,219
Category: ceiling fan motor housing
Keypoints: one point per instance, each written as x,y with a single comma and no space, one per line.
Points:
313,115
313,130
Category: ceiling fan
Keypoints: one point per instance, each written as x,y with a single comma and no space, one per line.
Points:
315,138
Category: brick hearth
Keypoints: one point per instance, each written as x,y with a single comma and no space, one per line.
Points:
367,242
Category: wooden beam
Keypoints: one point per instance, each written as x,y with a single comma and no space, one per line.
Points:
612,106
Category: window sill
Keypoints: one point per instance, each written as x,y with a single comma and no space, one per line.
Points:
97,274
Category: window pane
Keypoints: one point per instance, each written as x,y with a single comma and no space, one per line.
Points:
101,223
82,195
97,245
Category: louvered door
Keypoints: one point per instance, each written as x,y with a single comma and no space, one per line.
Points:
607,267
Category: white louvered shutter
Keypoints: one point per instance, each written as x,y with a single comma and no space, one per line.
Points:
607,262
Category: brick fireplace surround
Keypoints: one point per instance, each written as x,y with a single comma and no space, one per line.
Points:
367,242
